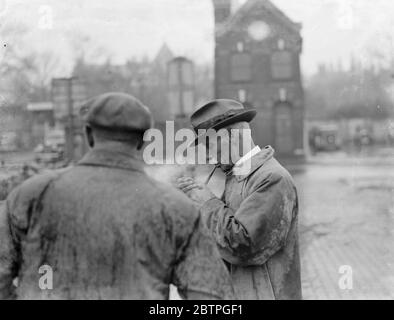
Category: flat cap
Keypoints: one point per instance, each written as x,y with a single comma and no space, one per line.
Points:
118,112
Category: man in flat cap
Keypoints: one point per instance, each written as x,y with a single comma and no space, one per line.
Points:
103,229
255,222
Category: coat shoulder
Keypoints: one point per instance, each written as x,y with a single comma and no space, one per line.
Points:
270,172
173,200
33,187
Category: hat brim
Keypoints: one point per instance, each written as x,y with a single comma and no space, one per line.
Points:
245,116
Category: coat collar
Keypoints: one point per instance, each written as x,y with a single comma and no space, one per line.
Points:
112,159
256,162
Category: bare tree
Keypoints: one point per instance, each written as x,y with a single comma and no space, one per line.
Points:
86,49
13,64
380,51
44,66
24,75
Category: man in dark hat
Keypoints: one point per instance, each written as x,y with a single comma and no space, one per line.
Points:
103,229
255,222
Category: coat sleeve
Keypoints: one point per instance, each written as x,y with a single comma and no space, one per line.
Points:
8,254
259,228
14,222
200,273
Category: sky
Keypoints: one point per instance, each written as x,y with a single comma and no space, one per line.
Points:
333,30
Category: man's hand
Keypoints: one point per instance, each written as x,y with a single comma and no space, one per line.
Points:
196,192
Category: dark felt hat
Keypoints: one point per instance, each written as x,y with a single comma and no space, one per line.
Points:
218,114
116,112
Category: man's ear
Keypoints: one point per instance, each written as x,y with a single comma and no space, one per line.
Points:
140,144
89,136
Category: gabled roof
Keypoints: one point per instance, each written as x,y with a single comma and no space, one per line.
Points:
164,55
250,5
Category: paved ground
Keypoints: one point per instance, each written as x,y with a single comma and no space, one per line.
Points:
347,219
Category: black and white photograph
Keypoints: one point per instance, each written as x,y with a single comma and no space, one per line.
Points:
196,150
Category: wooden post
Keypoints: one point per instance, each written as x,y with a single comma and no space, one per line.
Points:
70,122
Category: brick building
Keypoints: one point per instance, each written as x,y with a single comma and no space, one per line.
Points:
257,61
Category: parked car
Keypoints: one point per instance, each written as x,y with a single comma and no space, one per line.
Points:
324,138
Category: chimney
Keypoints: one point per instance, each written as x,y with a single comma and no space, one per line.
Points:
222,10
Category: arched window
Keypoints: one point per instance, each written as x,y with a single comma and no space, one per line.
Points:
241,67
282,65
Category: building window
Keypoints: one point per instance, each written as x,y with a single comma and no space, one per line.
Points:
242,95
282,94
281,44
282,65
241,67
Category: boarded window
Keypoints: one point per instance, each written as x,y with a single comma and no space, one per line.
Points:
281,65
241,67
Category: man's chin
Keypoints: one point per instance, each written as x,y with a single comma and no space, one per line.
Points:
225,167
